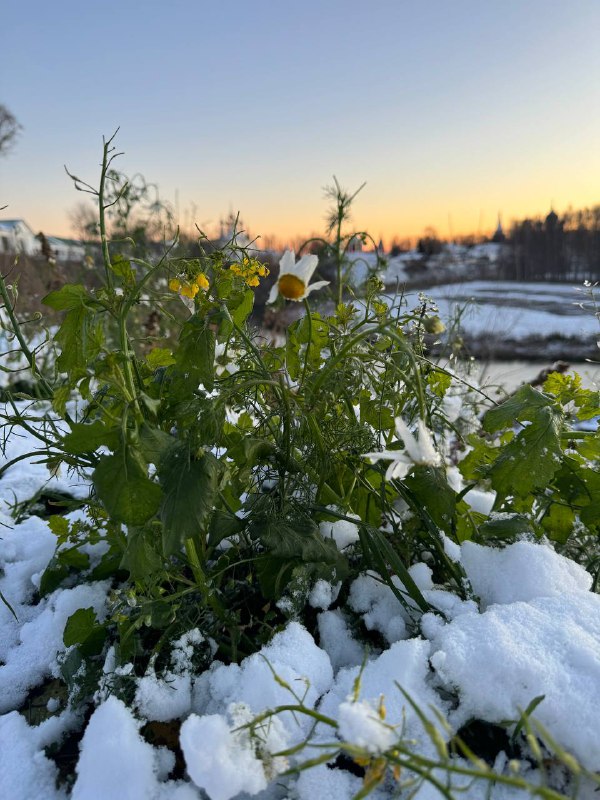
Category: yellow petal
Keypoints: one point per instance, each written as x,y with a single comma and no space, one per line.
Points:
202,281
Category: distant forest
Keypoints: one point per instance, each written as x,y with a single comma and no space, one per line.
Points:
565,247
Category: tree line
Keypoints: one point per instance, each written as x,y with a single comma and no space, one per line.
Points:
565,247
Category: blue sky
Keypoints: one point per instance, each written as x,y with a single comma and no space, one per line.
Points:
450,111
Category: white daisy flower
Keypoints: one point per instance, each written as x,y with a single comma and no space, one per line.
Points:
420,452
293,279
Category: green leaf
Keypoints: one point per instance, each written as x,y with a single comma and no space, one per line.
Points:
53,576
196,351
123,486
222,526
141,558
60,398
558,523
59,527
122,267
88,437
522,405
292,354
69,296
160,357
300,539
506,526
372,412
429,486
439,382
80,339
79,626
190,487
531,459
154,443
240,306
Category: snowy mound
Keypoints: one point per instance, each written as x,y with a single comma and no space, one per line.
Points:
536,632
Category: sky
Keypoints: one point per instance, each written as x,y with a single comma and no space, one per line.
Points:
451,111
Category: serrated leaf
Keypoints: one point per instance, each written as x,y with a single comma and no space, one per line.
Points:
531,459
190,487
558,523
88,437
474,465
60,397
80,339
59,527
439,382
522,405
73,557
141,559
298,540
196,351
154,443
222,526
160,357
430,488
121,266
123,486
69,296
79,626
240,307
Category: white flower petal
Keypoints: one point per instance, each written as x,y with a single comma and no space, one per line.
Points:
410,443
273,293
427,451
317,285
287,262
305,267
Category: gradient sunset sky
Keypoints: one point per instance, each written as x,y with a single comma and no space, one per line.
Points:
450,110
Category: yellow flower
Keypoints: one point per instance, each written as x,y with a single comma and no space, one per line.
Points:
189,290
250,270
202,282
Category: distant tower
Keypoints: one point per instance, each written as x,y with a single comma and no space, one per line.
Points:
499,233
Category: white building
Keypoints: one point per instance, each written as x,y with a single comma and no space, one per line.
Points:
66,249
17,237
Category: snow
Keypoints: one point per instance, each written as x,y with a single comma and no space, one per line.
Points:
26,772
337,641
498,308
531,628
405,664
379,607
343,532
361,724
236,761
521,571
500,660
292,655
40,640
326,784
115,761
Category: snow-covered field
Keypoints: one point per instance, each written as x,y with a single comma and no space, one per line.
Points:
532,629
506,310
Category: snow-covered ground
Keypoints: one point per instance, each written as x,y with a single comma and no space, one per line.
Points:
508,310
530,629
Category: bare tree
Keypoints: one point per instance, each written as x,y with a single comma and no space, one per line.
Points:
9,129
83,221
